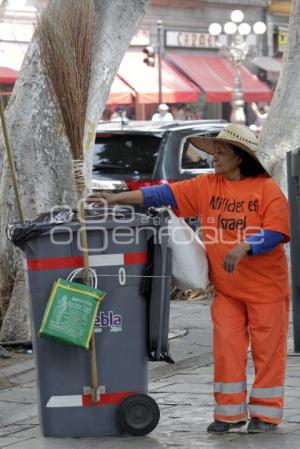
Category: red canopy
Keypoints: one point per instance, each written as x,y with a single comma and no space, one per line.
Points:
215,76
7,75
120,93
176,88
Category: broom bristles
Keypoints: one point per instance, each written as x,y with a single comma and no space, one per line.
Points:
64,33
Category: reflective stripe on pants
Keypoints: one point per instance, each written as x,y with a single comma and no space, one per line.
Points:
265,412
234,323
267,393
230,387
231,410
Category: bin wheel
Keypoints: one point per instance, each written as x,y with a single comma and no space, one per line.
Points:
138,414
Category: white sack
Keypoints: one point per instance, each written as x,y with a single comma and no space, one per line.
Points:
189,260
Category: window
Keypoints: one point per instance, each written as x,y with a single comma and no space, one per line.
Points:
193,158
125,154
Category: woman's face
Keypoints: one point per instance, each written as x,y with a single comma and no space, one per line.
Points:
225,160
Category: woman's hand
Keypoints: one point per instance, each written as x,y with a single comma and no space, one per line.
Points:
102,199
232,259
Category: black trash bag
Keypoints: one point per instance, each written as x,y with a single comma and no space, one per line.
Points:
19,232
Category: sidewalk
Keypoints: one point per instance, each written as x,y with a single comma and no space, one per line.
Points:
190,338
184,396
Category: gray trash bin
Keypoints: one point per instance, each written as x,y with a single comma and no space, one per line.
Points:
293,173
118,251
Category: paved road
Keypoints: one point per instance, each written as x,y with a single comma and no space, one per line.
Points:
183,394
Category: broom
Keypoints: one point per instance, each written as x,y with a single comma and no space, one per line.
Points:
65,35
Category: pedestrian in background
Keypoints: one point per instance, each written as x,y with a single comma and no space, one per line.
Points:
163,114
245,222
261,114
120,115
180,113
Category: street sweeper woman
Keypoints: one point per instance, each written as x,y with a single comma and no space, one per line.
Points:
245,222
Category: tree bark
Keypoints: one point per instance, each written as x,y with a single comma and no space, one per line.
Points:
40,148
282,128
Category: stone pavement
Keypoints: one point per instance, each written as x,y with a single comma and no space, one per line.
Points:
183,392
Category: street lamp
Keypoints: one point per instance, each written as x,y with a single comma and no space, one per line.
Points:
237,52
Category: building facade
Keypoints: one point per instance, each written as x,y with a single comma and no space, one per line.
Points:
185,32
184,40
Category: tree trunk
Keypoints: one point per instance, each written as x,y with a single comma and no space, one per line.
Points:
282,128
41,151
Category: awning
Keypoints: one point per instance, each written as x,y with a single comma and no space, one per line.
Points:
215,76
267,63
11,59
176,88
7,75
120,93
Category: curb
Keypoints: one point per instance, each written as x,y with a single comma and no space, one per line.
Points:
166,369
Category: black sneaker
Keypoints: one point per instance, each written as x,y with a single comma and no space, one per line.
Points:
256,425
224,427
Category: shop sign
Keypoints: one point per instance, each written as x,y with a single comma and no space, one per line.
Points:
190,40
282,39
280,7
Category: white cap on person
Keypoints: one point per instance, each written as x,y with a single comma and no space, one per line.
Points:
163,107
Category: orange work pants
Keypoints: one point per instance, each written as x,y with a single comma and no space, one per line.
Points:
265,326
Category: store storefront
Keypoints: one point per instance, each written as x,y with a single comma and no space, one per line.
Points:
143,79
214,75
194,72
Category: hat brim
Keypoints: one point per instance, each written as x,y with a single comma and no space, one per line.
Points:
206,144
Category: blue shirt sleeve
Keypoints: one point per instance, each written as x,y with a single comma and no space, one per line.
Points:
157,196
264,241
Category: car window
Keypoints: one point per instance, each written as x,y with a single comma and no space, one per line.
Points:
193,158
123,153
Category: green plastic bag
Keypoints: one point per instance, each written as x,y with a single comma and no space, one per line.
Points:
71,312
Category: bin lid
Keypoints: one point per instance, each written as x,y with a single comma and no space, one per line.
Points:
19,233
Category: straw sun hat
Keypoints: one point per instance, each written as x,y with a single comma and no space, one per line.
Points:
239,135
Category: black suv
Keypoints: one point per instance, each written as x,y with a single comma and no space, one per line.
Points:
131,155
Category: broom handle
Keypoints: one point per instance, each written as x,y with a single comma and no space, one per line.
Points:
11,162
84,244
